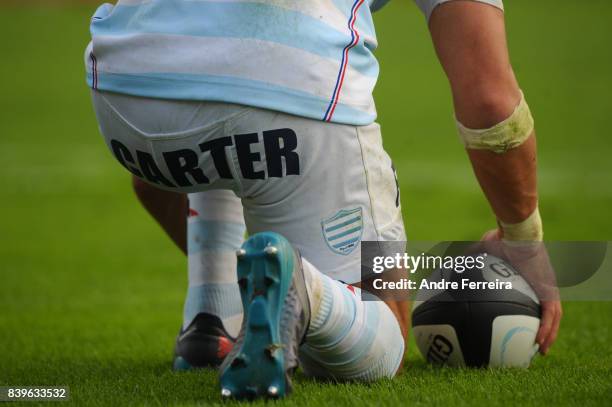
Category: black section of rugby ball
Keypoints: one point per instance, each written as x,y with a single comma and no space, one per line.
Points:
471,313
472,321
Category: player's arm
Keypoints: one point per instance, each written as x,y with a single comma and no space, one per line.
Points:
495,124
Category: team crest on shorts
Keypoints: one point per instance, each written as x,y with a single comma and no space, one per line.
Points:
342,232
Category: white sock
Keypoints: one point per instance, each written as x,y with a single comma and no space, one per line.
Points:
348,339
215,230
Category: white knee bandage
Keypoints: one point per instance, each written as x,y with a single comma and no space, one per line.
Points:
504,136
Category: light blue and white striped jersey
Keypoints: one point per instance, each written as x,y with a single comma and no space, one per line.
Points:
310,58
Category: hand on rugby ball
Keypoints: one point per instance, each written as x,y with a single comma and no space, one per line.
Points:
531,260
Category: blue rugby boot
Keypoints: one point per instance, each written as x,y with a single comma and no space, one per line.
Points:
276,317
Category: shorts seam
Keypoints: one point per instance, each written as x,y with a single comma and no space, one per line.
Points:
367,182
172,135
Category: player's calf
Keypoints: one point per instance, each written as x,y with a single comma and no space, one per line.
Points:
213,312
348,338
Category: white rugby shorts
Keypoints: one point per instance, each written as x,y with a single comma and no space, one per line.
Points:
325,187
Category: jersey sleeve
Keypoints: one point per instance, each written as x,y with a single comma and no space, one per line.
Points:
428,6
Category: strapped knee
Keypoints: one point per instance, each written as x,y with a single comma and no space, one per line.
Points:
504,136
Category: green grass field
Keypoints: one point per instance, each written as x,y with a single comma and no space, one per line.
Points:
91,291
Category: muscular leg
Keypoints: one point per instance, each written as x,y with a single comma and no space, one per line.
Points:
169,209
348,338
208,227
215,230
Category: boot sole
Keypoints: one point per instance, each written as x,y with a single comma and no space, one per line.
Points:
265,269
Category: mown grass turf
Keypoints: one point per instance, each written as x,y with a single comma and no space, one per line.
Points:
91,292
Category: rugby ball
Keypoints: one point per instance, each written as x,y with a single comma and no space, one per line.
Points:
485,317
